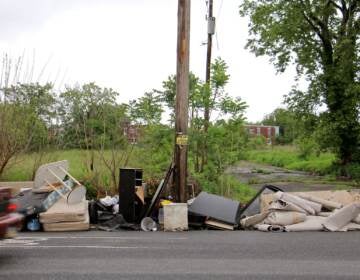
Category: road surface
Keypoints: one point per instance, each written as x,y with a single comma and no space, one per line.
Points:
188,255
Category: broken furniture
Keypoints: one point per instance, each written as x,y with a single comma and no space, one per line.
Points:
216,208
57,197
55,173
130,205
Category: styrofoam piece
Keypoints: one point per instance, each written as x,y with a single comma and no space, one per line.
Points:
43,175
176,217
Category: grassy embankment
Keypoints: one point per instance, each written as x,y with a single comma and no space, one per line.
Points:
282,156
22,168
288,157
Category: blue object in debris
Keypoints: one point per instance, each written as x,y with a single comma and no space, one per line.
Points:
33,224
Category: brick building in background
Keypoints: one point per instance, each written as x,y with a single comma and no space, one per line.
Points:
130,131
270,132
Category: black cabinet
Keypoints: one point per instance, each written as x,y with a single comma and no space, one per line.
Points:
129,179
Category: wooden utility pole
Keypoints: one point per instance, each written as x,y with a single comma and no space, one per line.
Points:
211,31
182,97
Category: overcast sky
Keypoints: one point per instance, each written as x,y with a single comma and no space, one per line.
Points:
130,45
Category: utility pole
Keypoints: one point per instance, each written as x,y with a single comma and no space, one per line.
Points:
182,103
211,31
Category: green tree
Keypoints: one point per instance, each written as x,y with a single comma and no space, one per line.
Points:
203,97
84,113
40,98
321,38
147,109
18,128
26,115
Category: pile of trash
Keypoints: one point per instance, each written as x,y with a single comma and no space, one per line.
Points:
57,201
289,212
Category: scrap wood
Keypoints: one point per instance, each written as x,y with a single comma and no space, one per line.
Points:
212,223
140,193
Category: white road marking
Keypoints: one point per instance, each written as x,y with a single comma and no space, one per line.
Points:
7,242
35,241
76,246
98,237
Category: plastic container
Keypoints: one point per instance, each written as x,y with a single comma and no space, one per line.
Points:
176,217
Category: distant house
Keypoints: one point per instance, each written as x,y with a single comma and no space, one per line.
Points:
130,131
270,132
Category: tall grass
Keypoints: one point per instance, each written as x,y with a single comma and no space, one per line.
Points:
289,157
99,181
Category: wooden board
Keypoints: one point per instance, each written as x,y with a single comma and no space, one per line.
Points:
218,225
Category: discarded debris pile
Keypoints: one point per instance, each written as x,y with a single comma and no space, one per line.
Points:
57,200
57,203
312,211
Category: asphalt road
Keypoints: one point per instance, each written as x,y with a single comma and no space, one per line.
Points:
188,255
